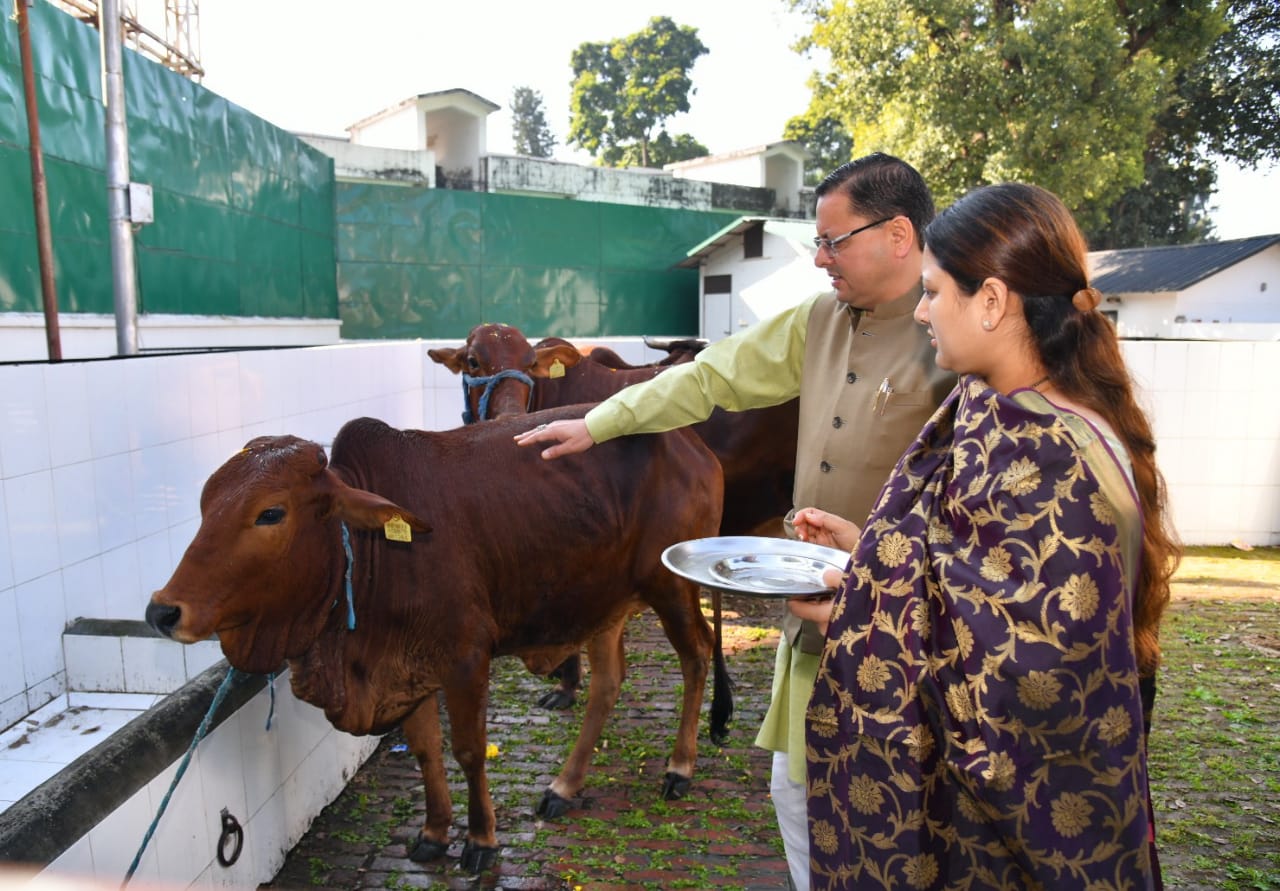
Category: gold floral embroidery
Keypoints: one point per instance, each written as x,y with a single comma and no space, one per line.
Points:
894,549
919,742
1114,726
939,533
865,795
964,637
1070,814
920,871
873,674
997,564
1101,508
1000,772
1080,597
920,623
822,719
959,702
1039,689
1022,477
824,836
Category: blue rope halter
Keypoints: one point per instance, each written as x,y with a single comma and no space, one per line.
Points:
489,381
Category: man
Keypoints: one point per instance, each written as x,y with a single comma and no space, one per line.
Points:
867,382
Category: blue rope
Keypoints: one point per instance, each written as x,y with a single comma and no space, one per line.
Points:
182,768
351,605
489,381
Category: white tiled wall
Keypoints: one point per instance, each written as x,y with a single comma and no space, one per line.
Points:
1217,426
101,466
273,782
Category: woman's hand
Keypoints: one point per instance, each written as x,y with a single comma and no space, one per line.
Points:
569,437
816,609
820,527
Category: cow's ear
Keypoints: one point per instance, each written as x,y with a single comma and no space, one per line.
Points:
545,359
451,359
365,510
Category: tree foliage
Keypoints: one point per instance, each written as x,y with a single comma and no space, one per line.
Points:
530,134
1093,99
826,140
624,90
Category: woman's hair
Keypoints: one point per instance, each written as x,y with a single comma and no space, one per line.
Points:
1024,236
879,186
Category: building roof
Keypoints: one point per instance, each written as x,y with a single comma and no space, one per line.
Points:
788,147
1171,268
794,230
457,95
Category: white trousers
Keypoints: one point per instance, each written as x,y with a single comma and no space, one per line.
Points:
791,805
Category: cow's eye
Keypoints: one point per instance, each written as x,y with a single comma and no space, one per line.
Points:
270,516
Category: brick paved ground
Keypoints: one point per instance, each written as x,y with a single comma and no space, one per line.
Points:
1215,769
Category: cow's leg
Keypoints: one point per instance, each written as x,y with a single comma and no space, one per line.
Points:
569,674
422,733
691,637
467,698
608,668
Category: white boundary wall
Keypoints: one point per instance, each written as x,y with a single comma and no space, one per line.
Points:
101,466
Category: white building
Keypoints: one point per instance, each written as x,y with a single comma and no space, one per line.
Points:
752,269
1223,290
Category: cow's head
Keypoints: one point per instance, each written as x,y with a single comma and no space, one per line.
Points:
263,568
498,366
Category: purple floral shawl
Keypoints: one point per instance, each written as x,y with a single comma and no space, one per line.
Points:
976,720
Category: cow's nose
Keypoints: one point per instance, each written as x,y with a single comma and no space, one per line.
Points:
163,618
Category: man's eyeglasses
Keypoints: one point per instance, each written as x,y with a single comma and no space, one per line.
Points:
833,244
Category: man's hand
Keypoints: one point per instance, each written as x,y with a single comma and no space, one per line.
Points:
568,437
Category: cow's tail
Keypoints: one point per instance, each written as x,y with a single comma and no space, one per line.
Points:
722,684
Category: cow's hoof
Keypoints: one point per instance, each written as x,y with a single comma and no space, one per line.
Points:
476,858
675,786
552,806
426,850
557,700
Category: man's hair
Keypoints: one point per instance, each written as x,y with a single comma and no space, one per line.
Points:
881,185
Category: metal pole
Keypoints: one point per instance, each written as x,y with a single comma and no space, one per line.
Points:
39,189
125,285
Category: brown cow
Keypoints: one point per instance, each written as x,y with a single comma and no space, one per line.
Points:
510,556
756,448
503,374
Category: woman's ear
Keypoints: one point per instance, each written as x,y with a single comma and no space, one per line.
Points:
995,300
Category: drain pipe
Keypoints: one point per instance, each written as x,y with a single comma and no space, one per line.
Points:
39,189
123,280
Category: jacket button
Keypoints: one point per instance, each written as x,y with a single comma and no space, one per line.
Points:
851,377
837,422
826,468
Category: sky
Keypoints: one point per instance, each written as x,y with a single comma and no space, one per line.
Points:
318,66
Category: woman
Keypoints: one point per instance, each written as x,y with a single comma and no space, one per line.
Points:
978,716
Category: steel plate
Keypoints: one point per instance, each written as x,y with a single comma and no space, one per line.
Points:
755,565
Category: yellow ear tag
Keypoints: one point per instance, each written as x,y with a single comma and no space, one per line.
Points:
397,529
556,370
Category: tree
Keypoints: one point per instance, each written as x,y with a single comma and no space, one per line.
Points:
826,140
624,90
662,150
1064,94
1225,105
529,131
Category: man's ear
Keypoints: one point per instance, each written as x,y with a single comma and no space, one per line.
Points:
902,235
